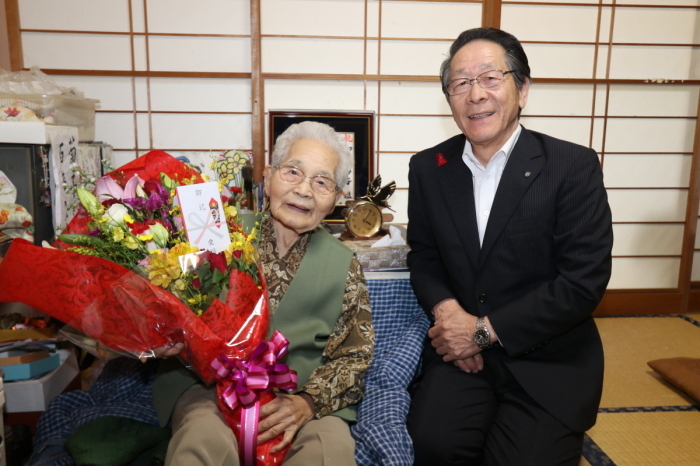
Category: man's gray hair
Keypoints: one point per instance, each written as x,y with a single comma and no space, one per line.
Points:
322,134
516,59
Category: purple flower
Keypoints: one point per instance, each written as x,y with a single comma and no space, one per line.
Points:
136,203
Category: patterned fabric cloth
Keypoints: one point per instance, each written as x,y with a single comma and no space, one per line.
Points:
400,327
123,389
349,349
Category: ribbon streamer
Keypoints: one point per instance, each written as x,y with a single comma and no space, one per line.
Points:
248,380
196,223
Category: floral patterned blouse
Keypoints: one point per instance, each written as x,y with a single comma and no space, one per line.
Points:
338,382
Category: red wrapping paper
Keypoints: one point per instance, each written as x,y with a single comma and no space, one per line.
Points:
125,312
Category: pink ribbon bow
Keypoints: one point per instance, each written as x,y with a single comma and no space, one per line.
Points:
247,380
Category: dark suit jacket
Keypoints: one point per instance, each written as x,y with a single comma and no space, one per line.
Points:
542,269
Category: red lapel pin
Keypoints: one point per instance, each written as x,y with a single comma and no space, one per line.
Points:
440,159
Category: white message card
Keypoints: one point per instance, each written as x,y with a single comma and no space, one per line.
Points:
203,216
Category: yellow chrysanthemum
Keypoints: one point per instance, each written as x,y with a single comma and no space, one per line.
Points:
230,211
163,268
179,284
250,252
131,243
145,238
117,234
128,219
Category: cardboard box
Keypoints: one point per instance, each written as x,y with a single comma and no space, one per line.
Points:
9,358
35,395
27,334
31,369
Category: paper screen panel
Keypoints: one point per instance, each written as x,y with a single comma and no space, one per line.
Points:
399,202
395,167
312,17
559,99
138,17
188,132
560,60
550,23
581,2
221,54
141,58
695,275
413,134
648,205
647,240
644,272
76,51
660,2
598,135
649,135
116,129
142,93
413,57
645,100
113,92
409,97
75,15
201,17
697,237
200,95
575,130
314,94
654,63
292,55
143,130
669,25
429,20
647,170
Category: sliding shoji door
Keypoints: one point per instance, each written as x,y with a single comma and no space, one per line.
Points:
170,74
623,78
378,55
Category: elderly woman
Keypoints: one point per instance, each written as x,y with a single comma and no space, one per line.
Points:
318,299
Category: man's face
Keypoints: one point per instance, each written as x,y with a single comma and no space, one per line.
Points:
487,117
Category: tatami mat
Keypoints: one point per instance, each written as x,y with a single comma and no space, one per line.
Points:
649,438
629,343
642,419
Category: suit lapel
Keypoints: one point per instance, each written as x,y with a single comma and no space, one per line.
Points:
523,167
455,181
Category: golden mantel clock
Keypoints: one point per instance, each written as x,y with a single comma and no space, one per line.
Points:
363,217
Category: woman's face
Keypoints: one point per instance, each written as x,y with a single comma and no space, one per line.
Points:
298,207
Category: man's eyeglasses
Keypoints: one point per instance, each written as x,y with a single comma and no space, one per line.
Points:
487,80
293,175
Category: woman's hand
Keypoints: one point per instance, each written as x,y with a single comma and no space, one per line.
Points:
165,351
285,414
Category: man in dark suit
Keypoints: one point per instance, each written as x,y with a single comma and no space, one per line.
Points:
511,237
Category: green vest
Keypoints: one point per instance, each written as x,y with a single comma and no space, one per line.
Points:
312,304
306,316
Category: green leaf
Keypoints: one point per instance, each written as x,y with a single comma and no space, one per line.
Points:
82,240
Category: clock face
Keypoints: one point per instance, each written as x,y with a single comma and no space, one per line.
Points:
364,219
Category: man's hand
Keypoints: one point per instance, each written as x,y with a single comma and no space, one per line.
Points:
452,336
285,414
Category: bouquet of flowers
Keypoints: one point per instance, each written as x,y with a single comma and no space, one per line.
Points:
130,271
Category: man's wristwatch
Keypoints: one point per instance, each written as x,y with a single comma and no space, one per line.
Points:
482,337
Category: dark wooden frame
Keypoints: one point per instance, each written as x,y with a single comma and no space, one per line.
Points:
360,122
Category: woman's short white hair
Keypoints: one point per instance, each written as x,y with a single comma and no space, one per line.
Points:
320,133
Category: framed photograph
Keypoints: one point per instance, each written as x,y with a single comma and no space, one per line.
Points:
358,130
